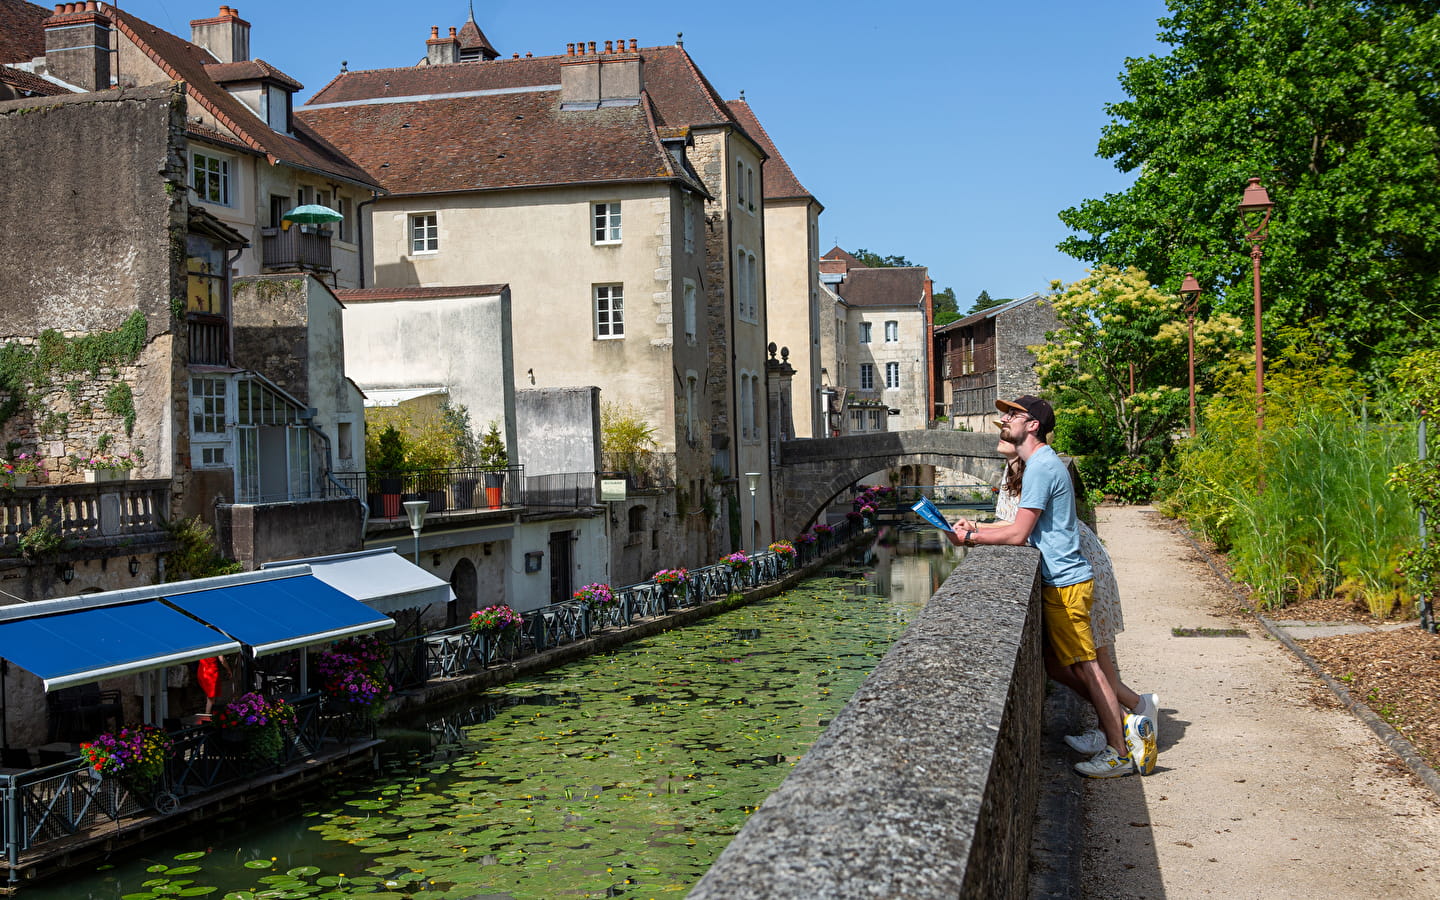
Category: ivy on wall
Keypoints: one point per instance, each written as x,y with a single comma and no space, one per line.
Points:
26,369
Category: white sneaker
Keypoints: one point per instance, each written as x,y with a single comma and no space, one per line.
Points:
1150,708
1140,741
1087,742
1108,763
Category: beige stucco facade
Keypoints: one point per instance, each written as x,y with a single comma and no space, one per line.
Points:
898,339
792,291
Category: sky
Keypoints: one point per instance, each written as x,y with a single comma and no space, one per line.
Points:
951,133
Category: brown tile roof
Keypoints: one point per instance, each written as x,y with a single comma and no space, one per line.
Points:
494,142
186,62
250,70
850,261
681,95
22,38
898,286
29,83
472,38
778,181
360,295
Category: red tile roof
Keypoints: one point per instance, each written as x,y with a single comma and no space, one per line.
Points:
494,142
250,70
898,286
186,62
778,181
29,83
472,38
360,295
682,96
22,38
841,256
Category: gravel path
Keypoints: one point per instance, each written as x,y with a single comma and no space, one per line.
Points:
1266,787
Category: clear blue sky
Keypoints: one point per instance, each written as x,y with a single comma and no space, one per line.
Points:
949,133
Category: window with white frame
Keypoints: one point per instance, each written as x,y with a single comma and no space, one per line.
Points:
606,222
892,374
689,205
877,420
210,177
867,376
857,420
424,233
754,281
892,332
750,188
691,325
864,332
609,311
209,431
742,285
739,184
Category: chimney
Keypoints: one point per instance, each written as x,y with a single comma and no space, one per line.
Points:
613,78
441,51
226,36
77,45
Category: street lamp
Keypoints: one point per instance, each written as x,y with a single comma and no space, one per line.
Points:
415,511
753,478
1190,290
1255,209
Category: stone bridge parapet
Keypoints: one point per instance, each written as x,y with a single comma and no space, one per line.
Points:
813,472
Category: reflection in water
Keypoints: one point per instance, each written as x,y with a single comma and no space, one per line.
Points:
623,774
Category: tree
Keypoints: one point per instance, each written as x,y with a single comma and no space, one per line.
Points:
1110,321
876,261
983,302
1332,104
945,310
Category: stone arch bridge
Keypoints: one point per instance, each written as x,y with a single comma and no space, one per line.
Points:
811,473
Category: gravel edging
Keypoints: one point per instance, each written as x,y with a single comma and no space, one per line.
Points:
1393,739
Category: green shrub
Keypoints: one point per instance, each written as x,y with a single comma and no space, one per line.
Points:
1130,481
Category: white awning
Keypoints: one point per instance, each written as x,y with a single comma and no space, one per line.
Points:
396,396
382,579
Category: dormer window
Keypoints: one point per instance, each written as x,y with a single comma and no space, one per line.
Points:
278,106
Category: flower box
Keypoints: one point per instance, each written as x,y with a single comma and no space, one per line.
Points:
102,476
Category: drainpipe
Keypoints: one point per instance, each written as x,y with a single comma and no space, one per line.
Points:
360,231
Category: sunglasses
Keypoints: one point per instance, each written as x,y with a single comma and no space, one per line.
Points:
1012,414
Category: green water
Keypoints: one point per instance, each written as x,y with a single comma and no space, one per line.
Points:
622,775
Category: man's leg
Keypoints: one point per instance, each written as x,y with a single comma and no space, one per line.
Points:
1128,698
1102,697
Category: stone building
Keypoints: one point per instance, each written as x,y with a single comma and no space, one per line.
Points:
886,332
987,355
618,197
792,277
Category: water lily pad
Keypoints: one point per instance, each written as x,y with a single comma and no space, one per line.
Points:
260,864
302,871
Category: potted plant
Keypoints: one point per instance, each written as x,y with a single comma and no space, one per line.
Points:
785,550
598,598
389,461
105,467
498,625
17,472
251,722
353,672
494,461
135,755
672,581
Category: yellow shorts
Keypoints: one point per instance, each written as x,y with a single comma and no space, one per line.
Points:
1067,621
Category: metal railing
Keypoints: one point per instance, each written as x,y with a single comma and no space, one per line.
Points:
447,490
82,512
645,470
295,248
69,798
209,340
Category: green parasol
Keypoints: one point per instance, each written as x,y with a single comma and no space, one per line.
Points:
312,214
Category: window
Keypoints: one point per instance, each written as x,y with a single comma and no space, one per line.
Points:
345,440
277,102
607,223
691,379
205,276
345,228
740,184
754,282
690,323
867,376
892,374
279,206
864,332
892,332
877,420
207,406
744,286
857,420
689,204
609,311
750,188
210,177
424,233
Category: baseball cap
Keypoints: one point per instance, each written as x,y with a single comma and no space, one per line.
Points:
1034,407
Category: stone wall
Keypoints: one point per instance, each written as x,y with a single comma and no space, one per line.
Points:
1016,331
926,783
268,532
271,319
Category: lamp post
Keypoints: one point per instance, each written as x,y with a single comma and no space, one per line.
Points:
415,511
1190,290
753,478
1255,206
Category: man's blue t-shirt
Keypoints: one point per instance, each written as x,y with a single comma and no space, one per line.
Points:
1047,487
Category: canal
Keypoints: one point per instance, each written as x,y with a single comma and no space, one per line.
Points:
621,775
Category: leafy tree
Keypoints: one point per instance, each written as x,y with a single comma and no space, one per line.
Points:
1110,321
945,310
491,453
626,438
984,302
1418,378
876,261
1332,104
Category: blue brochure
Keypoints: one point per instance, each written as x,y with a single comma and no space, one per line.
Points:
930,513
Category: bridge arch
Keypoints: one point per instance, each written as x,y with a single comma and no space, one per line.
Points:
813,472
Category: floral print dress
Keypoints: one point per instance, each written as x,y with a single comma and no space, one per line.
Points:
1106,620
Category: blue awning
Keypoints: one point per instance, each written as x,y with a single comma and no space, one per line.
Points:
89,644
282,613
